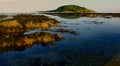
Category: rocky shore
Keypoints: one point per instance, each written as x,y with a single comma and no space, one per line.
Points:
13,37
29,21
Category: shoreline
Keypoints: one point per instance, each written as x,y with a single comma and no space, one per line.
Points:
106,15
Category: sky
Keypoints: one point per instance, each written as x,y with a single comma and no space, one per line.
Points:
42,5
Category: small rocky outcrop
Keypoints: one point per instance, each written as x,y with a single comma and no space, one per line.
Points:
29,21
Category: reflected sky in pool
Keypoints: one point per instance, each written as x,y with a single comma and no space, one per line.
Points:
96,43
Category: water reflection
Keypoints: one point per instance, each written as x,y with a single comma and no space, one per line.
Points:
90,15
93,22
69,16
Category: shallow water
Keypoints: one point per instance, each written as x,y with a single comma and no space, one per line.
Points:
96,42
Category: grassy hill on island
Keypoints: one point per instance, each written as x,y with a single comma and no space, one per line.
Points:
71,9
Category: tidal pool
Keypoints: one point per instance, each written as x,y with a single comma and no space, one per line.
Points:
87,42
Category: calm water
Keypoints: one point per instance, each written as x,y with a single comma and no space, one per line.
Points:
96,42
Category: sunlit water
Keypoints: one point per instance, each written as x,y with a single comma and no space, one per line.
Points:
96,42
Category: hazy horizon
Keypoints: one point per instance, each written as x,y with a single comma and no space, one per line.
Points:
11,6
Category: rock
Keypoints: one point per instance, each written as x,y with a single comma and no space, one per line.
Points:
12,37
44,25
29,22
48,39
11,23
32,25
28,41
59,37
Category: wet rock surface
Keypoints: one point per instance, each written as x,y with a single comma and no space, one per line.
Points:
18,41
29,21
13,37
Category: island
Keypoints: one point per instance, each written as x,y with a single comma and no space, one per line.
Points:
71,9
